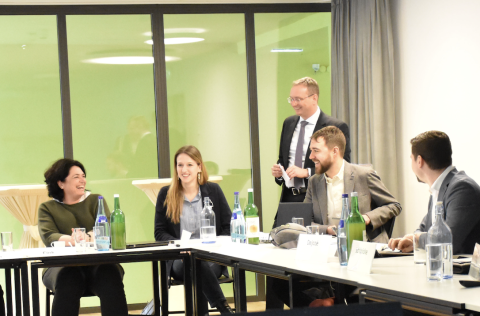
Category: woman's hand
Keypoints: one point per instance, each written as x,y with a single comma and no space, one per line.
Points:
69,240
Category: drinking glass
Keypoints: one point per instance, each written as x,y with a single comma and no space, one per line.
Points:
313,230
7,241
298,220
80,241
419,254
434,262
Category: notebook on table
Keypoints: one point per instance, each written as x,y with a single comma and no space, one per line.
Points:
288,210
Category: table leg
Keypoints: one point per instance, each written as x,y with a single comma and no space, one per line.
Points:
190,282
240,289
25,287
290,290
156,288
8,290
18,288
35,290
164,285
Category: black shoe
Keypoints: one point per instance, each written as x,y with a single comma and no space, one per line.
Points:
224,308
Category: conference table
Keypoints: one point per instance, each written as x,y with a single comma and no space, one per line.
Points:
391,279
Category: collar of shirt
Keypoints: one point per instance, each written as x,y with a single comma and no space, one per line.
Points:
85,195
314,118
195,199
438,183
338,177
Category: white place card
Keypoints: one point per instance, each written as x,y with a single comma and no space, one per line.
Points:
361,256
313,248
186,235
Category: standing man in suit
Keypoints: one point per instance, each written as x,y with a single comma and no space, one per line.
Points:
335,176
432,164
295,139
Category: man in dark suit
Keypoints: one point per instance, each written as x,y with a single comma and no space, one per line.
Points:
432,164
308,119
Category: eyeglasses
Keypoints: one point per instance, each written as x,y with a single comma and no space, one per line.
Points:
296,100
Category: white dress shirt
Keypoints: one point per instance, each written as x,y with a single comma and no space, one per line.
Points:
312,121
436,188
335,187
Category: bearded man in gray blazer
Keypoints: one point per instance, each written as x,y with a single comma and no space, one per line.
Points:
334,176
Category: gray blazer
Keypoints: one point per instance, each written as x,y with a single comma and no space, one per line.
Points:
373,199
461,200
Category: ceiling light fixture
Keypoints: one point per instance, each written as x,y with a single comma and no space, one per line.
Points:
286,50
127,60
178,40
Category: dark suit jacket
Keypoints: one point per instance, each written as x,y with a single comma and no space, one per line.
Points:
373,199
286,139
165,229
461,201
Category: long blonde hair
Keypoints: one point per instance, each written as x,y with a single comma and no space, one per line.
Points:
174,200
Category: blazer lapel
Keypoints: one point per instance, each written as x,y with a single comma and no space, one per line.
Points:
323,199
444,186
288,141
205,193
348,178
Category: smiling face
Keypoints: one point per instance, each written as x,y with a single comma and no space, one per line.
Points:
74,185
187,169
321,155
308,105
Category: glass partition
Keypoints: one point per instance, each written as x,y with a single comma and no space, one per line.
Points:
287,45
207,95
113,121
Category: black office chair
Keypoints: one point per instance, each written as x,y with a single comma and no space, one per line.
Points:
164,286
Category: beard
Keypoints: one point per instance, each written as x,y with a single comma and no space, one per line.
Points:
323,167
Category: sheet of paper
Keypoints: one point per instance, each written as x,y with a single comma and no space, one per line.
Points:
288,181
186,235
361,257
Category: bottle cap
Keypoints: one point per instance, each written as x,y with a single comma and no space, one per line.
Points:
354,194
236,193
116,195
345,195
250,190
100,197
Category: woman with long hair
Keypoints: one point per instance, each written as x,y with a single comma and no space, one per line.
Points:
178,209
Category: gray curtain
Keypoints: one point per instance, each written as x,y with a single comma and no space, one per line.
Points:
363,82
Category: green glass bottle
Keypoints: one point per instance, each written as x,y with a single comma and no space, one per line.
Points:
252,221
117,226
355,223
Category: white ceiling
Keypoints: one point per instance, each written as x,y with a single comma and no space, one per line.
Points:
72,2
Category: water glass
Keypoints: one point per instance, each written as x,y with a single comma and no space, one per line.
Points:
298,220
79,234
434,262
419,254
313,230
208,234
7,241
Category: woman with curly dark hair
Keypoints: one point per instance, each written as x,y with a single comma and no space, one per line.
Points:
72,206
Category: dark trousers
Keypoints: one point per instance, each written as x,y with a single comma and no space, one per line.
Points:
70,283
2,303
211,272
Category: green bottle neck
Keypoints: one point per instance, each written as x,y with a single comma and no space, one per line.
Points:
116,203
250,197
354,208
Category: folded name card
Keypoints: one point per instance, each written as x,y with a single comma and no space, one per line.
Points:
475,265
361,256
313,248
